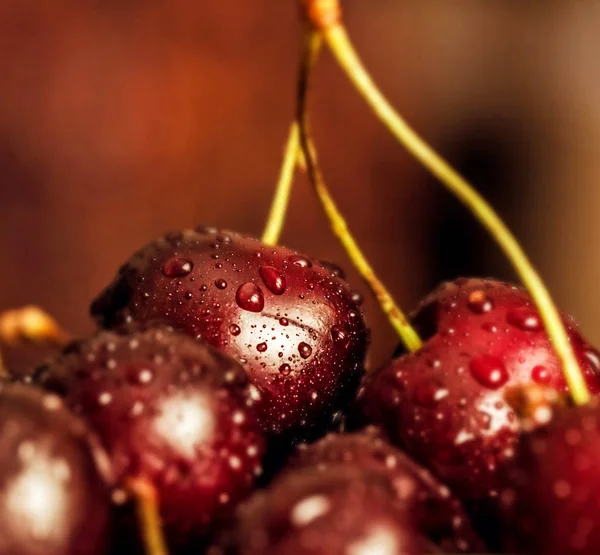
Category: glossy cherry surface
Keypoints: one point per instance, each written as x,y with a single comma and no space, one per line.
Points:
54,478
291,321
552,492
338,512
446,402
437,514
170,410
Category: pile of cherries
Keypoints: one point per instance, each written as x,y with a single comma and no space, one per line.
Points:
228,377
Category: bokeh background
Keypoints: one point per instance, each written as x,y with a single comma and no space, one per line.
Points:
122,119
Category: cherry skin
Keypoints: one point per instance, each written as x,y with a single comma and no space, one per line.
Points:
445,403
291,321
550,501
336,512
54,478
437,514
171,411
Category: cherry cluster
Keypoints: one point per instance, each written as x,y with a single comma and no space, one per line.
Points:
224,405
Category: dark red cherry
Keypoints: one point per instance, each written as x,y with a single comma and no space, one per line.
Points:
54,478
292,322
342,511
445,403
170,410
437,514
552,488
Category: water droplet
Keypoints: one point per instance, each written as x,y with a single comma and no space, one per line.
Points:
285,369
273,278
284,321
540,374
426,393
250,297
305,350
479,302
357,298
488,326
524,318
300,261
593,357
223,238
333,269
234,329
489,371
261,347
220,283
104,398
177,267
341,338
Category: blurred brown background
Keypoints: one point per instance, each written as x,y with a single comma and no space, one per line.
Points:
121,119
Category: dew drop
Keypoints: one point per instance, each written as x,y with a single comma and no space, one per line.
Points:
357,298
300,261
479,302
524,318
489,371
540,374
285,369
177,267
261,347
284,321
305,350
340,336
234,329
220,283
488,326
273,279
250,297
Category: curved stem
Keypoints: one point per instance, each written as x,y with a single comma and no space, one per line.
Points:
338,224
342,49
148,516
283,190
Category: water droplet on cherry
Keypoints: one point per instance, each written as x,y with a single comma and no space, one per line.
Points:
489,371
524,318
250,297
540,375
340,336
261,347
285,369
234,329
305,350
273,279
300,261
177,267
479,302
220,283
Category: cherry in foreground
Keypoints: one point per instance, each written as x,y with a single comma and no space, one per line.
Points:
292,322
170,411
436,514
54,478
552,492
336,512
446,402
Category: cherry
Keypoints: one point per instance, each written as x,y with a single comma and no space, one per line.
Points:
550,502
54,478
445,402
336,512
438,515
171,411
292,322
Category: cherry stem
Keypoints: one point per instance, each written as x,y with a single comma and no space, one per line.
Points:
339,43
31,324
281,200
148,515
311,46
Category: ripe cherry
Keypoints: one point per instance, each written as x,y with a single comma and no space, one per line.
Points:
335,512
437,514
292,322
552,487
445,403
171,411
54,478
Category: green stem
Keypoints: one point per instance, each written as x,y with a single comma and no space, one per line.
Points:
342,49
338,224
